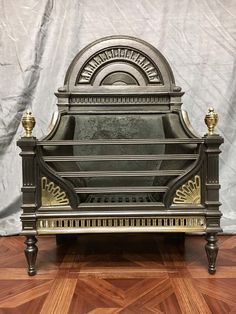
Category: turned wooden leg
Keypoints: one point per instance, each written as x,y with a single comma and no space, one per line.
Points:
212,251
31,251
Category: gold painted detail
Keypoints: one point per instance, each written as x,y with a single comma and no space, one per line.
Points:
28,122
52,194
189,193
120,53
121,224
211,120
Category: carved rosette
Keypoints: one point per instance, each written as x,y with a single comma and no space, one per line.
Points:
189,193
52,194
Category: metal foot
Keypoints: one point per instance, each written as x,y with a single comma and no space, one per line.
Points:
211,251
31,251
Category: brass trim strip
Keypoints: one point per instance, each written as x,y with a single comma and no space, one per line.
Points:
121,224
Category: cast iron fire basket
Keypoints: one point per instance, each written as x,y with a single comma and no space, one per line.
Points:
121,156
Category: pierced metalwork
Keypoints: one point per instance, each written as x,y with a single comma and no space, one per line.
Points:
52,194
120,224
189,193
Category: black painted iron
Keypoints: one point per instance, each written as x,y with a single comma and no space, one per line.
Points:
121,157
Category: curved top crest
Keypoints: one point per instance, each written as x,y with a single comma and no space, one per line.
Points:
119,61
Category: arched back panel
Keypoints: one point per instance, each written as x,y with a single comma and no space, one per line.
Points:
119,61
119,74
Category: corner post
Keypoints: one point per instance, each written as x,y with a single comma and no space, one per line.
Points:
212,143
27,144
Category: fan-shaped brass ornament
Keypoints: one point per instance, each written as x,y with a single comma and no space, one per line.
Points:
52,194
189,193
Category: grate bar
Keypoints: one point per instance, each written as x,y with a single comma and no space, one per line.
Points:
93,174
123,189
122,141
122,157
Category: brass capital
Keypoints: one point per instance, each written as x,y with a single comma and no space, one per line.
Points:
211,120
28,122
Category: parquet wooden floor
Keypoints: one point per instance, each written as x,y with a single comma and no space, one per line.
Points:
118,274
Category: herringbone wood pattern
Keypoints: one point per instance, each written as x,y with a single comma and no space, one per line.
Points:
118,274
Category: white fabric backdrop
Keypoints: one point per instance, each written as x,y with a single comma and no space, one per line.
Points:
39,38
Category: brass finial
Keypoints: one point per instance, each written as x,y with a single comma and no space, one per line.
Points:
28,122
211,120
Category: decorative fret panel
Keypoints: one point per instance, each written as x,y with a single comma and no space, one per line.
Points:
119,100
120,224
131,55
